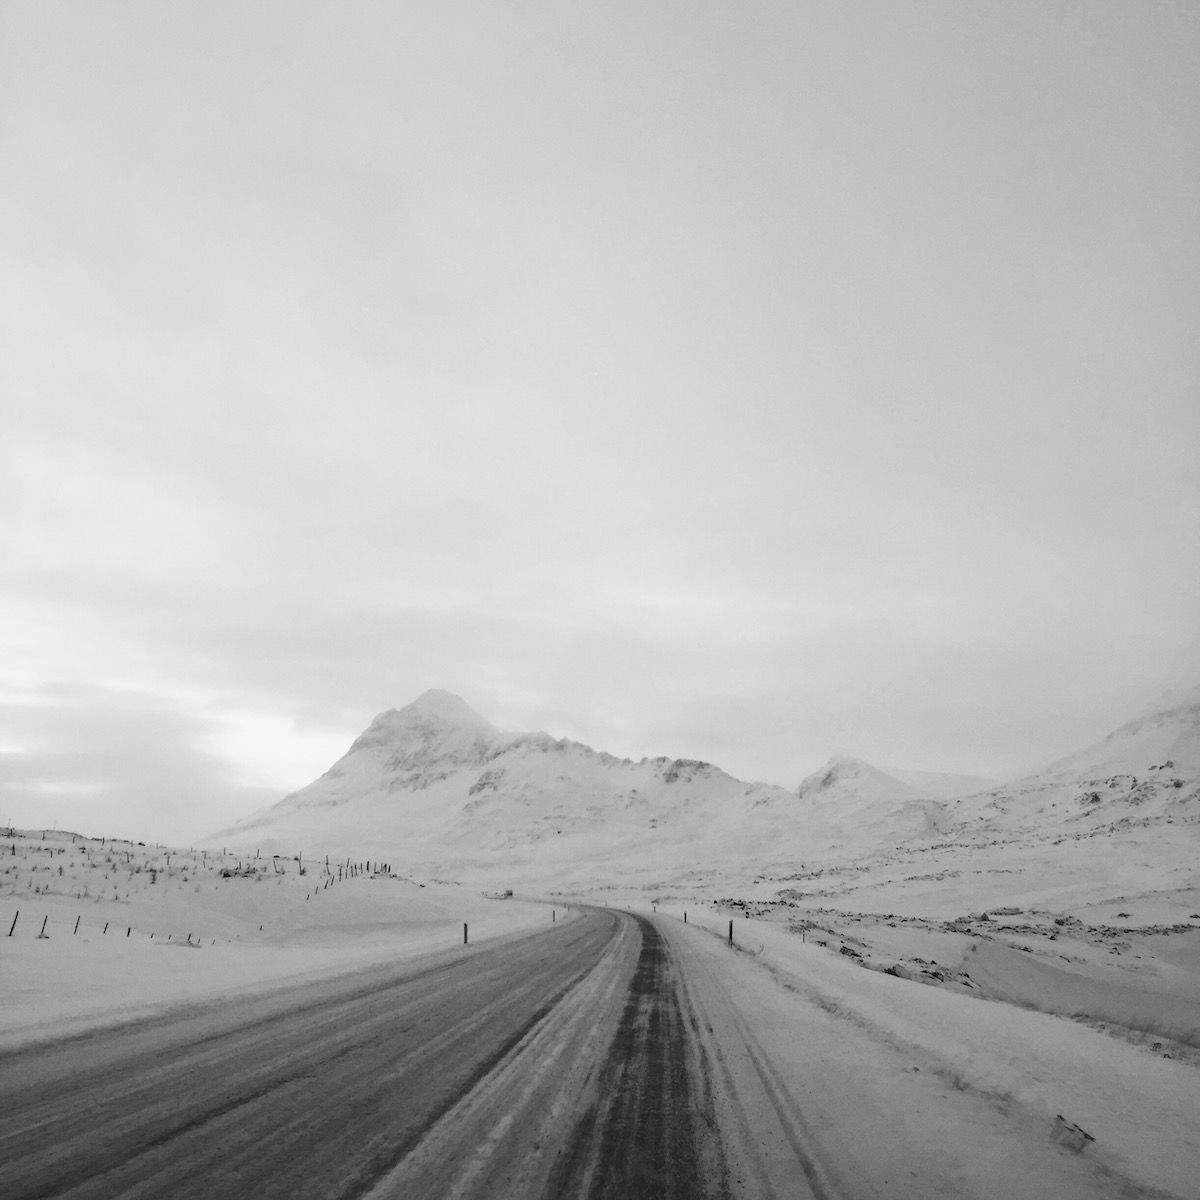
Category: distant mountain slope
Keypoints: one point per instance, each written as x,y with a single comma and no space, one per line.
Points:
1145,772
436,785
866,800
1167,731
436,782
851,780
942,784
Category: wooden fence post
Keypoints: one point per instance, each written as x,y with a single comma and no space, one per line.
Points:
464,933
731,933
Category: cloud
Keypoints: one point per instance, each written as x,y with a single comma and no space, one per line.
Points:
737,390
127,765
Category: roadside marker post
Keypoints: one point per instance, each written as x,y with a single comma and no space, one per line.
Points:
731,933
464,933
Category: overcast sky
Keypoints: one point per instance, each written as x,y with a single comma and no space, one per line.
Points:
740,381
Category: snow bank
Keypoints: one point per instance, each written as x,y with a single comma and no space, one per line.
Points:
1140,1109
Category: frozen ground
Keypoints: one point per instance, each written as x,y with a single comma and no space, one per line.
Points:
899,1079
180,931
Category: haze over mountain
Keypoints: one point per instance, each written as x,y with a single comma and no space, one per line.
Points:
436,785
436,782
1145,772
872,804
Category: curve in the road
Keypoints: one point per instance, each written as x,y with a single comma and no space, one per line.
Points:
557,1065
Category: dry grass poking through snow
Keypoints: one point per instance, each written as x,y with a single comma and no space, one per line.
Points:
1137,982
88,921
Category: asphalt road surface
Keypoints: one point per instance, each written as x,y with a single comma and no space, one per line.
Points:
568,1063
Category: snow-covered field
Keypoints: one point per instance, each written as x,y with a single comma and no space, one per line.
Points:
130,929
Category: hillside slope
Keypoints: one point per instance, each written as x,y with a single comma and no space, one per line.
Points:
436,783
435,786
1144,773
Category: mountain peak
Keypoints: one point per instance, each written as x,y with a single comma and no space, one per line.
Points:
848,763
435,722
439,705
846,774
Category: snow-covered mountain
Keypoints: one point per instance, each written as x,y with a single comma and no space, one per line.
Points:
1113,828
434,784
407,749
1146,772
868,802
1168,731
853,782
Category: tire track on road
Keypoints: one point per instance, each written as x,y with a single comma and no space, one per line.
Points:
317,1101
771,1152
652,1131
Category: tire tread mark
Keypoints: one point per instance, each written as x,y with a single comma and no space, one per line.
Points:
646,1135
792,1124
380,1168
106,1158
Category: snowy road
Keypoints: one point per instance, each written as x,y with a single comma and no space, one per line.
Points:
555,1064
607,1056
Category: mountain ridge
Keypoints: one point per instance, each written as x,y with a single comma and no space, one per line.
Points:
436,782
